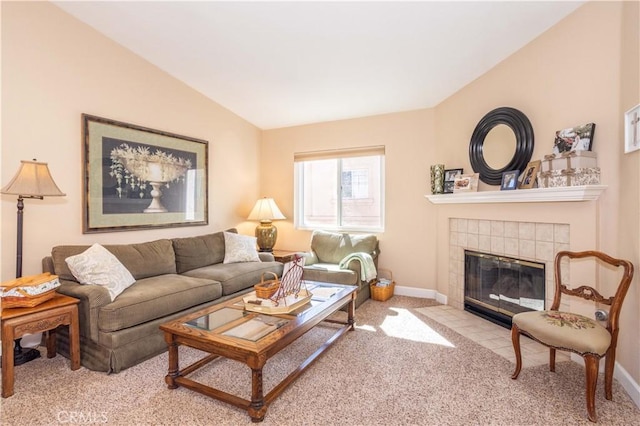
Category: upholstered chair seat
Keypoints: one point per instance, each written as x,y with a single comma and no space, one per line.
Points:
565,331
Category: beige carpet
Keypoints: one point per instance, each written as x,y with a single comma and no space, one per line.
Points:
398,368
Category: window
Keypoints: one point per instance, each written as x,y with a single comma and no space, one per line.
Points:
340,190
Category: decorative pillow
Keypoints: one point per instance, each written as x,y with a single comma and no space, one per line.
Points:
99,266
240,248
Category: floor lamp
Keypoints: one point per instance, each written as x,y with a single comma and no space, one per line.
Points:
33,180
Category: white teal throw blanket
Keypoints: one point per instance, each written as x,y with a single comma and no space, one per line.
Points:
368,268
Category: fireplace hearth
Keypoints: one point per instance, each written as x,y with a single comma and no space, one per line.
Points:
497,287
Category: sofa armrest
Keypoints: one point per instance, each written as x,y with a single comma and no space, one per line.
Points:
92,298
309,257
266,256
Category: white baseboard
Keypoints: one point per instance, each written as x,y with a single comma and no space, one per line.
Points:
421,293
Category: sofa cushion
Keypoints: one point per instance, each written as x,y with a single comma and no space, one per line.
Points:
332,247
240,248
97,265
142,260
155,297
196,252
236,276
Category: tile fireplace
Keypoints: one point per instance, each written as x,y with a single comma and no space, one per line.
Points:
534,242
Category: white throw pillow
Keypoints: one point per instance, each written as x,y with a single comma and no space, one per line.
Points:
97,265
239,248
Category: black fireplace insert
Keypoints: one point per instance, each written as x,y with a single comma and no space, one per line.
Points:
497,287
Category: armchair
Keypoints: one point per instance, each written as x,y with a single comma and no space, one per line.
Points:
330,249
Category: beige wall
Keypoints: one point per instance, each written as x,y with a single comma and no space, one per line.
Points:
53,69
410,144
572,74
629,211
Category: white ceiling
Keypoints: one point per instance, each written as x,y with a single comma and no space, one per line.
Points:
279,64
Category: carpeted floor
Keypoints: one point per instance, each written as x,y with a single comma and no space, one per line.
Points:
398,368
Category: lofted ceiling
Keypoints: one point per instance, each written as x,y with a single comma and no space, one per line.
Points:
280,64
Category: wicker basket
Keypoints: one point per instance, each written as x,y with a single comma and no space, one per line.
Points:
267,288
379,292
26,297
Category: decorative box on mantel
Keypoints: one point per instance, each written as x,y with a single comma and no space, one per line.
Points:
570,160
569,177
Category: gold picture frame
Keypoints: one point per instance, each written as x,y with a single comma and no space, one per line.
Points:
136,177
530,174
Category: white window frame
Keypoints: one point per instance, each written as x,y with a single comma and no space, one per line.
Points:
300,158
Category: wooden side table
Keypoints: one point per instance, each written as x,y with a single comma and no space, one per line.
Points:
284,256
46,317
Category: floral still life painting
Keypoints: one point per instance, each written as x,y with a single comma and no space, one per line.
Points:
137,177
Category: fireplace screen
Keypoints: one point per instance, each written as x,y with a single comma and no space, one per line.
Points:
497,287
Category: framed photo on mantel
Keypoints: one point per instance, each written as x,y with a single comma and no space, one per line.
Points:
449,179
136,177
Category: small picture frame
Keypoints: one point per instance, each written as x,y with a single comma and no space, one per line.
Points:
578,138
632,129
510,180
466,183
529,175
449,178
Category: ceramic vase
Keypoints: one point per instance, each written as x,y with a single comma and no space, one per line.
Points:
437,179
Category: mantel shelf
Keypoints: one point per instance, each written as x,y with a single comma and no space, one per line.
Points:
536,195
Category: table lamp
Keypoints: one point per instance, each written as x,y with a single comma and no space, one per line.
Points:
33,180
265,211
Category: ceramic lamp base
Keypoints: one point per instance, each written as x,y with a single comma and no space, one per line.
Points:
266,234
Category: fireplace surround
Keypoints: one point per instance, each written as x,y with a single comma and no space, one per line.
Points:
525,240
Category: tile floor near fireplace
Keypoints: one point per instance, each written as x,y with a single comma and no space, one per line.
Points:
490,335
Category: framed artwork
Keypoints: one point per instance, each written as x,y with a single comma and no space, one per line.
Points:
579,138
466,183
632,129
509,180
530,174
449,177
136,177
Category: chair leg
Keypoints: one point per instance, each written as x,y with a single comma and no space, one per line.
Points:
591,373
609,365
552,359
515,338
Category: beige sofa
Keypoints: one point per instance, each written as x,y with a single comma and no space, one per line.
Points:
328,249
173,277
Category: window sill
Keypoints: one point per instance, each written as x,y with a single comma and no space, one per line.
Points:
536,195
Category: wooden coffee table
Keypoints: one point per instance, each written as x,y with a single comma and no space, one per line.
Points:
228,330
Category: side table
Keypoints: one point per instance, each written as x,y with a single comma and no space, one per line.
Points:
284,256
46,317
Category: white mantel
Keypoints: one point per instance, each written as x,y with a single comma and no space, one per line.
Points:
536,195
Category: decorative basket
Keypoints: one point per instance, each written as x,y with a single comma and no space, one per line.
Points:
27,292
267,288
382,287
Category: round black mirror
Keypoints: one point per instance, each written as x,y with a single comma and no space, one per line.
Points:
523,132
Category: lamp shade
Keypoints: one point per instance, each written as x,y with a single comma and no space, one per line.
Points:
33,180
265,210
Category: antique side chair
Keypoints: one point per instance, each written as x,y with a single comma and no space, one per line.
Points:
576,333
